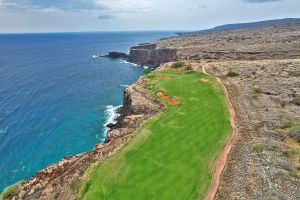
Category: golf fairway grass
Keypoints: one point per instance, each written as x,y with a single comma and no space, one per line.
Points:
172,155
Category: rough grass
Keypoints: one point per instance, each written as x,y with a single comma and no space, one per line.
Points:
10,191
172,156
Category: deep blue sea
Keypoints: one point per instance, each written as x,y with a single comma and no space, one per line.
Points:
55,98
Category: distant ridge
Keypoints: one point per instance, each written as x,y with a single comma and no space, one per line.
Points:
228,27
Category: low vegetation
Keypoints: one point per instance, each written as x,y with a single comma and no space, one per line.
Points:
257,90
147,71
189,67
232,74
292,142
296,101
172,155
177,64
257,148
10,191
294,73
295,133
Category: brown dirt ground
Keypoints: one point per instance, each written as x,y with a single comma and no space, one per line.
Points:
163,77
204,80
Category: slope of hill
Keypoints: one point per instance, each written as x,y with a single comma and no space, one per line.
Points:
228,27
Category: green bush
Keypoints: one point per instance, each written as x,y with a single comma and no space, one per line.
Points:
287,125
294,73
296,101
257,90
255,96
232,74
295,133
177,64
189,67
257,148
10,191
147,71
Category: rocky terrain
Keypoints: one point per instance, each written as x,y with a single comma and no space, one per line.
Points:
264,163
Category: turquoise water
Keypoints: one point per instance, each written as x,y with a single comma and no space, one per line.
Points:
55,97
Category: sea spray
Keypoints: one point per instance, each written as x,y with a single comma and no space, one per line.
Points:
127,62
111,114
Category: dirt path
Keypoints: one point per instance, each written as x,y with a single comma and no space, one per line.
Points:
221,160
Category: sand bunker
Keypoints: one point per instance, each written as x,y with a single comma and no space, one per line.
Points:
171,101
162,95
204,80
162,77
177,72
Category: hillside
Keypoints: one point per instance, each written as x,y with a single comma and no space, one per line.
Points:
228,27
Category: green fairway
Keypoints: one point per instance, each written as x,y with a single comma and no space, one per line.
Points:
172,156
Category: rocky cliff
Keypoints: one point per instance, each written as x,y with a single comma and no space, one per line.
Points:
151,54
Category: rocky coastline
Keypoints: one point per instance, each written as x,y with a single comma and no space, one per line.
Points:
146,54
62,180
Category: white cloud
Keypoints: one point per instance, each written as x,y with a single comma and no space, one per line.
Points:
98,15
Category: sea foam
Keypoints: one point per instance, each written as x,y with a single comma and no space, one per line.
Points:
111,115
3,130
126,62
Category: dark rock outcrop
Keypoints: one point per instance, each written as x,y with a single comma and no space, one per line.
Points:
117,55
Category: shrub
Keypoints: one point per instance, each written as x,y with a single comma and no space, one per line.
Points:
295,133
232,74
147,71
257,148
296,101
294,73
257,90
255,96
289,153
287,125
189,67
177,64
10,191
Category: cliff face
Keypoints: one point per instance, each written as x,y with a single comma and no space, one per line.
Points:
151,54
62,180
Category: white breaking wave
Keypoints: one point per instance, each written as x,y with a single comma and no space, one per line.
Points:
126,62
124,86
95,56
111,116
3,130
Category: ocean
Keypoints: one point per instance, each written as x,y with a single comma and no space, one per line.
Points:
55,98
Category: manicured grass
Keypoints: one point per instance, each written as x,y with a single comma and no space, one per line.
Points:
172,156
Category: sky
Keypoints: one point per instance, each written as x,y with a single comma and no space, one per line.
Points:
130,15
